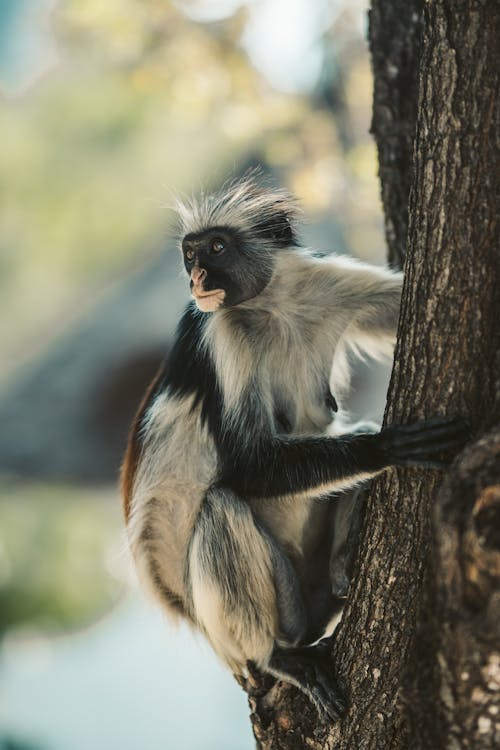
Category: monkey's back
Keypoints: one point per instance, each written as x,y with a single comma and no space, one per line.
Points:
176,464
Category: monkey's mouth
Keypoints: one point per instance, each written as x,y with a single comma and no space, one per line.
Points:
208,301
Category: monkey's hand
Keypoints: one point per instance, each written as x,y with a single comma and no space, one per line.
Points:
307,668
423,443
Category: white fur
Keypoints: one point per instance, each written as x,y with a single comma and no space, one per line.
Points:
305,321
209,302
240,619
240,203
177,466
303,318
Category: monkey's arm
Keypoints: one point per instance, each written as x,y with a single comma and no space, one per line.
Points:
281,465
371,297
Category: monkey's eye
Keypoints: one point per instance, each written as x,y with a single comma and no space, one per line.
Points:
217,246
190,254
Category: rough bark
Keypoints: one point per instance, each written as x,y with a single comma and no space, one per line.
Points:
455,232
419,645
394,32
465,629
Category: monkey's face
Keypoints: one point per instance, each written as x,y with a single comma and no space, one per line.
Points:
222,269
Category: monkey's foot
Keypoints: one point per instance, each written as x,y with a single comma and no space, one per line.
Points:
305,668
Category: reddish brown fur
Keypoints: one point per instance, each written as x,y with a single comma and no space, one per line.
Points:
128,473
134,447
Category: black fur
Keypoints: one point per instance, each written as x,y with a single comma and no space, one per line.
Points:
190,370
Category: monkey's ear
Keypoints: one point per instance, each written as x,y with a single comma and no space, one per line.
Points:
282,231
278,229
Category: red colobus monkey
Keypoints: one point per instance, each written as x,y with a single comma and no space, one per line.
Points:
232,455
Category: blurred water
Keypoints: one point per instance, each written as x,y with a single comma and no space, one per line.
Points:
130,682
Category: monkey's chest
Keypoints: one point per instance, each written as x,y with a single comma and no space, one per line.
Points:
300,397
301,417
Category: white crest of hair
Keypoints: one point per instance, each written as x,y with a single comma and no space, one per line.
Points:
242,203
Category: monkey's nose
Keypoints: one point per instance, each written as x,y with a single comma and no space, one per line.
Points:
198,275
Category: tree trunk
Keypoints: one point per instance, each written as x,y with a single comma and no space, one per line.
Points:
395,32
419,645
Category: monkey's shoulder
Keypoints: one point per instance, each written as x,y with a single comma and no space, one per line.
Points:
188,374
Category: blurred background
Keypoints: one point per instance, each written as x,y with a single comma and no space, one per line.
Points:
107,109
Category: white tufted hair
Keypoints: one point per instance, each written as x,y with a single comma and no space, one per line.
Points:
246,203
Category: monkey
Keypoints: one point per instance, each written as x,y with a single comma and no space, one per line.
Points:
240,479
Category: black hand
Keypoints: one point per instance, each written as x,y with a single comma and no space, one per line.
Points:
421,444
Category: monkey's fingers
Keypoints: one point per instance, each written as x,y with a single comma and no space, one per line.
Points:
430,424
425,432
428,449
326,695
420,442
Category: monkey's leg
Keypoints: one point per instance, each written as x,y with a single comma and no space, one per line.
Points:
347,521
242,589
322,604
308,669
326,571
245,598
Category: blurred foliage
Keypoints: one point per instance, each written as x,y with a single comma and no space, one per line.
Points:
54,542
145,101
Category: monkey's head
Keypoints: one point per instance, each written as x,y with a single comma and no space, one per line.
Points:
230,240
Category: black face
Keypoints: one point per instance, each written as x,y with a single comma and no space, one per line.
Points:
229,265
